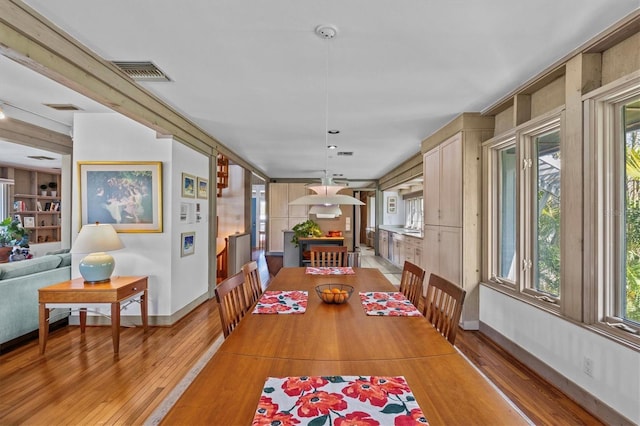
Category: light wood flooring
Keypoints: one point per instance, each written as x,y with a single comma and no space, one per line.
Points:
79,381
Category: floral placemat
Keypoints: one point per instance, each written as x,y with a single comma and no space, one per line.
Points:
282,302
329,270
338,400
393,304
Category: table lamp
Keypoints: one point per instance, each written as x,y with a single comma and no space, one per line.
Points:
96,240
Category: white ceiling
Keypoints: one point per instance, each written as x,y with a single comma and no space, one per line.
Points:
253,74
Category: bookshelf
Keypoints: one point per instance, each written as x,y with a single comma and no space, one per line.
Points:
38,209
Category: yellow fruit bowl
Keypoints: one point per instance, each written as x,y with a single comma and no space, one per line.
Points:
334,293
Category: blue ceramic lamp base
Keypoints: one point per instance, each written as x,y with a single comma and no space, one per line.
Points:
97,267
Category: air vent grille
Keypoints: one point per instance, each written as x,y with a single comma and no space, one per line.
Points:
63,107
40,157
345,153
142,71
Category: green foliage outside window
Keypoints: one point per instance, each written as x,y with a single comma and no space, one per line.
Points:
632,225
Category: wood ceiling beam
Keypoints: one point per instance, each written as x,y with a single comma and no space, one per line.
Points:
33,41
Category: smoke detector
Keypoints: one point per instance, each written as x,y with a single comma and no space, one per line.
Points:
326,31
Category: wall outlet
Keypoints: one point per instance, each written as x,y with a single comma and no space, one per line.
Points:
587,366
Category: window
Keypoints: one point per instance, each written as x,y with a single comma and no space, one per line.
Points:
612,254
413,213
628,306
524,210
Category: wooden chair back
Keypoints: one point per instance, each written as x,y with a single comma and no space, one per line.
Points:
443,306
411,282
232,302
253,283
328,256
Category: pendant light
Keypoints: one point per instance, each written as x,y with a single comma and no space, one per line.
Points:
326,200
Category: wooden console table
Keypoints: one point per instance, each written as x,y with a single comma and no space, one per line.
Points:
77,291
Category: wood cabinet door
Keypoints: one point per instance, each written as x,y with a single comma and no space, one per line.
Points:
297,190
451,182
431,191
277,226
430,252
450,262
278,200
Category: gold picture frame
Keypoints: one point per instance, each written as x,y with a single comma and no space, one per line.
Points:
126,194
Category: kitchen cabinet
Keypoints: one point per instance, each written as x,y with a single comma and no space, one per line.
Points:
452,206
383,243
282,216
38,209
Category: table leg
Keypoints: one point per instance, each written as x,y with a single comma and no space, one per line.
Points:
144,310
115,326
43,327
83,319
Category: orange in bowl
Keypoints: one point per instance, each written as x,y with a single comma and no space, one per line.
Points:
334,293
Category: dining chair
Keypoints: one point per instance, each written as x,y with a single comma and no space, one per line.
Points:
232,302
253,283
411,282
443,306
328,256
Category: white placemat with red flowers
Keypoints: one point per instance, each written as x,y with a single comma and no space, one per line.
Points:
338,400
393,304
329,270
282,302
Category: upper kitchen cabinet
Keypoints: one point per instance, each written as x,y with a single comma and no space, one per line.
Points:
282,216
443,195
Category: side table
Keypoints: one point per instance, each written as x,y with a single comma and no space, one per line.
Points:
77,291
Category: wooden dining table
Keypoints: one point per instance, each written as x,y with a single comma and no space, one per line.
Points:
337,340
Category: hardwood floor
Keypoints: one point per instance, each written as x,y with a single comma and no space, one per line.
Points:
79,381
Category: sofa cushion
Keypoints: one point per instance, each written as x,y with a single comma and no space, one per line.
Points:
27,267
66,259
61,251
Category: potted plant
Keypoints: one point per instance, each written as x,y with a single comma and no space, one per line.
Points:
11,234
53,186
43,190
307,228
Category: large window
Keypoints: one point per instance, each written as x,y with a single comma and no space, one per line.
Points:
524,207
613,212
628,306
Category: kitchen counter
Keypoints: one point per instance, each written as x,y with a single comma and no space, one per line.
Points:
401,230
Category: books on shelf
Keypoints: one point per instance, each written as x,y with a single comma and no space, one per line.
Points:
19,206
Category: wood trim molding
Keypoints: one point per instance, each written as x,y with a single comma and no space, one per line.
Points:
589,402
24,133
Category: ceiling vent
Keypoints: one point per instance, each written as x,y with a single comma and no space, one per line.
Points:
345,153
63,107
142,71
40,157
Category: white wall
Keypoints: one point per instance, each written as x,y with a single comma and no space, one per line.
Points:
563,345
396,218
189,274
112,137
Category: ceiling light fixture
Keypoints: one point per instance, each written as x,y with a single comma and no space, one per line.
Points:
326,199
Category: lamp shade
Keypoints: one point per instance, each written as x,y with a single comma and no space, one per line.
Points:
97,239
326,212
317,199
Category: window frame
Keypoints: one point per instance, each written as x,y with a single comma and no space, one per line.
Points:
523,137
603,146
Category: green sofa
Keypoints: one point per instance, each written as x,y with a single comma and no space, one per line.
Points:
19,284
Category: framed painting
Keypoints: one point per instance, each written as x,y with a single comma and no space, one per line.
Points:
203,188
188,243
188,186
126,194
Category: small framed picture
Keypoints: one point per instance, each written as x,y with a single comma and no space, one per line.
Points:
29,222
188,186
188,240
203,188
392,204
